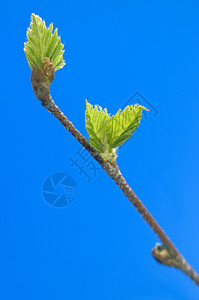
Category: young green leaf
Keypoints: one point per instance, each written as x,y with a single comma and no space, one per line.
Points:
42,42
96,120
107,133
123,124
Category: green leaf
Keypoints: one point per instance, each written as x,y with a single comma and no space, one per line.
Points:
107,133
123,124
42,42
96,120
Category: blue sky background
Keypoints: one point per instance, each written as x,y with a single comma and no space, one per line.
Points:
98,247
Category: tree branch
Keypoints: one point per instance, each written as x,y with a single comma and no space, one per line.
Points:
166,253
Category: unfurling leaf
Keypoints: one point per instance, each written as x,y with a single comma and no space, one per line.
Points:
107,133
96,120
43,43
123,124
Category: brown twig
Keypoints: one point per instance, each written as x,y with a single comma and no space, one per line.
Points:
167,253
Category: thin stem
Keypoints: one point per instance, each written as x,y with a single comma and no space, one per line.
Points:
167,255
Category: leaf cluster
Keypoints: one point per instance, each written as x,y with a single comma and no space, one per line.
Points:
42,42
106,132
